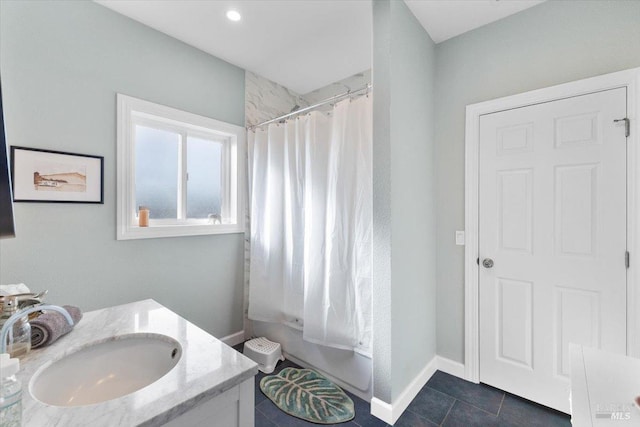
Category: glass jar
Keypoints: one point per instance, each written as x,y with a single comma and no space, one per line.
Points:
18,341
10,393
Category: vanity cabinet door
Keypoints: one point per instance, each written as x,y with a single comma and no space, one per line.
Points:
233,408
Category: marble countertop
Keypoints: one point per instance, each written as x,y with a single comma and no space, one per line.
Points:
207,368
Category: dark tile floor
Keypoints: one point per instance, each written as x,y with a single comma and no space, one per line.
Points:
444,401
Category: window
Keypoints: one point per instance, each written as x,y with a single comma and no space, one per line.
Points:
187,170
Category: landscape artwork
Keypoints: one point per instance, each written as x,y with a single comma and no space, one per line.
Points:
53,176
60,177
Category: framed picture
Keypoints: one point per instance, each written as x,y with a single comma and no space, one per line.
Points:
55,176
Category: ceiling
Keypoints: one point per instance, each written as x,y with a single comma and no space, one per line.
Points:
301,44
444,19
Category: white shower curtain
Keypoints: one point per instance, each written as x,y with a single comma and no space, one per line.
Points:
311,219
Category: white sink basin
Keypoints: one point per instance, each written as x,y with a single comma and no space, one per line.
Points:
105,370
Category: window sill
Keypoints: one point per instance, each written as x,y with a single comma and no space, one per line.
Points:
157,231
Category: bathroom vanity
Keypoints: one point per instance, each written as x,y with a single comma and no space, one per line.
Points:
206,380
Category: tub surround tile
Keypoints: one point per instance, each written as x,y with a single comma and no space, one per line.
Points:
265,99
206,369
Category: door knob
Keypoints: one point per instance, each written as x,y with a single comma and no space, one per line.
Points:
487,263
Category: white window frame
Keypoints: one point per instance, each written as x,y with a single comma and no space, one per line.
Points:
134,111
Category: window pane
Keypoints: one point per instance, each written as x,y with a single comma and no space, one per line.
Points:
204,185
157,156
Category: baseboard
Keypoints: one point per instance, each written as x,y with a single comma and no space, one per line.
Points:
451,367
233,339
389,413
381,409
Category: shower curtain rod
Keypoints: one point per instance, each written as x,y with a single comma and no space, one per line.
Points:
346,94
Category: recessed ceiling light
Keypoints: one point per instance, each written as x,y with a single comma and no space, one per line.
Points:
233,15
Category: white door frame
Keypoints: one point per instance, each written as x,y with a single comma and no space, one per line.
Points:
629,79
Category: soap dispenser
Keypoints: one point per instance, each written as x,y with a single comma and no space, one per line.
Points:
10,392
19,337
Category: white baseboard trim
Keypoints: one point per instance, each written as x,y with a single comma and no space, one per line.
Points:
451,367
381,409
233,339
389,413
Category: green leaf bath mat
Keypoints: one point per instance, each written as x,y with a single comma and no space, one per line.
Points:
306,394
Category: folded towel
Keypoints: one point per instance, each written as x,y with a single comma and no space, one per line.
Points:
48,327
19,288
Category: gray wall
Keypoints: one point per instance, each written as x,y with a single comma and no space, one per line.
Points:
62,64
555,42
404,255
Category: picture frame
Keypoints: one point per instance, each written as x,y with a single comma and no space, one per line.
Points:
51,176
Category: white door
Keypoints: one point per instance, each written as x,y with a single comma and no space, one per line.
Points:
552,219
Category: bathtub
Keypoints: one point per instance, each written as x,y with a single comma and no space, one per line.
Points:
350,370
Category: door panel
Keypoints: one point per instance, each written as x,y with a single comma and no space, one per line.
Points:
575,209
515,333
515,204
552,217
577,319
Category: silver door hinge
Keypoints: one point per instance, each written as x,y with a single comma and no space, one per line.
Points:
626,259
627,126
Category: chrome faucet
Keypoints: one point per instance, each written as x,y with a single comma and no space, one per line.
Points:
8,325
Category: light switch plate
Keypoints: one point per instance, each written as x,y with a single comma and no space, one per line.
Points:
459,238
